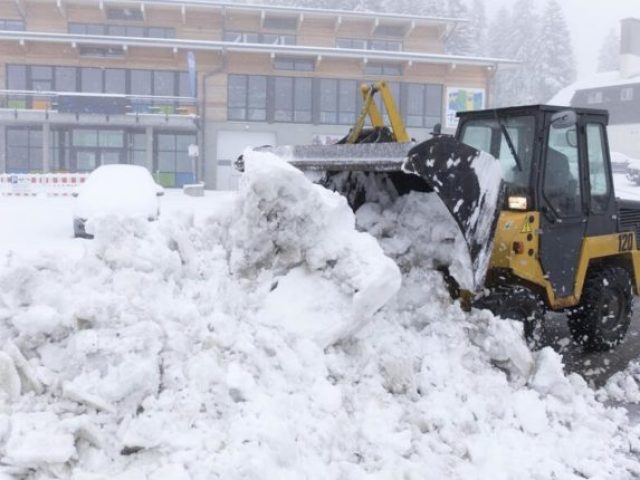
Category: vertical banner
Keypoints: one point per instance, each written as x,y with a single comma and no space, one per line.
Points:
193,73
463,100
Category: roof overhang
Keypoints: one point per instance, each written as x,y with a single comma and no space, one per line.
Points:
227,7
220,46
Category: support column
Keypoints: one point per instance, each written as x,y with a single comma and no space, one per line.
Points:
46,147
149,157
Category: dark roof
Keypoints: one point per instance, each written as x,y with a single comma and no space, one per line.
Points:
531,108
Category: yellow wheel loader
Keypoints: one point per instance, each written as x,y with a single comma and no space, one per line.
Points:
532,191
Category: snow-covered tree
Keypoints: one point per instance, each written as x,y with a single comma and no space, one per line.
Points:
461,39
433,8
518,85
478,27
609,57
556,64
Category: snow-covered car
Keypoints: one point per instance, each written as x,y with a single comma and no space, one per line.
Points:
619,162
633,171
127,190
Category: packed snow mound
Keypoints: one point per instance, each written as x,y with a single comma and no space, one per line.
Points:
624,386
253,346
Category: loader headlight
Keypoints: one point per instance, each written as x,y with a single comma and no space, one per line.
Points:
517,203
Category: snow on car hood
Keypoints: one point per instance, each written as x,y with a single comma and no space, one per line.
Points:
252,346
117,190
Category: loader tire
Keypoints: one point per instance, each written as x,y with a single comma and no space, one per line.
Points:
520,304
601,320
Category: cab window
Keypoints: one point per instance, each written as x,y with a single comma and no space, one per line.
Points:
562,172
598,175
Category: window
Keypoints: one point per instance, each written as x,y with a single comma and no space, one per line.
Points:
254,37
66,79
362,44
120,30
12,25
423,105
247,97
141,82
121,13
594,98
138,148
598,174
41,78
389,31
283,99
390,69
106,52
281,23
17,77
24,149
173,165
115,81
164,83
91,80
292,63
292,99
626,94
562,172
486,135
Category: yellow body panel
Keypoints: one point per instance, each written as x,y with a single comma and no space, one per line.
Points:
524,227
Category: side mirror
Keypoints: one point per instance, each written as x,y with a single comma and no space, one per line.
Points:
75,194
572,137
437,129
160,193
564,119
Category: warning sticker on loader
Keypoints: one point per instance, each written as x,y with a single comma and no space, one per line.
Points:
527,228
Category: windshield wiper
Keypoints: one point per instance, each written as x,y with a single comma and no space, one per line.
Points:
507,137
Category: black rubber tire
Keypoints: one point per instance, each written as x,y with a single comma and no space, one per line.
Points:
601,320
521,304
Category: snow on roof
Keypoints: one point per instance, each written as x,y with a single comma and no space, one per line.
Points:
598,80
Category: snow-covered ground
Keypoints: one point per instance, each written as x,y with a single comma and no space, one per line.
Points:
236,338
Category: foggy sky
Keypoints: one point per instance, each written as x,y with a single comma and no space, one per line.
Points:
589,21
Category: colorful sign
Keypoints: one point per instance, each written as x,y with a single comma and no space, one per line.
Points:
462,100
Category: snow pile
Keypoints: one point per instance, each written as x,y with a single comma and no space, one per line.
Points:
247,348
624,386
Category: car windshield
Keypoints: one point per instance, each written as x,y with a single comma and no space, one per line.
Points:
487,135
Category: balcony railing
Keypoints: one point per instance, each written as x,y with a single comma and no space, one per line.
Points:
98,103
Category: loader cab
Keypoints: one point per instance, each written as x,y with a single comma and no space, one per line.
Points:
555,161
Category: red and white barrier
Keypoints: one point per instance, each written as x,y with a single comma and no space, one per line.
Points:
33,184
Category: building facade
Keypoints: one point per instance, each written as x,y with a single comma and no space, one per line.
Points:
618,92
182,87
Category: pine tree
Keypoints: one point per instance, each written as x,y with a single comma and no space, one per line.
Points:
460,41
609,57
478,26
518,85
556,64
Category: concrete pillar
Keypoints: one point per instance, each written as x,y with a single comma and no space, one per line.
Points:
46,147
149,157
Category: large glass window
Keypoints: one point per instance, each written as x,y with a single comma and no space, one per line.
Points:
364,44
24,149
292,63
598,173
91,80
487,135
17,77
388,69
247,97
66,79
115,81
283,99
41,78
337,101
173,165
562,172
423,105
